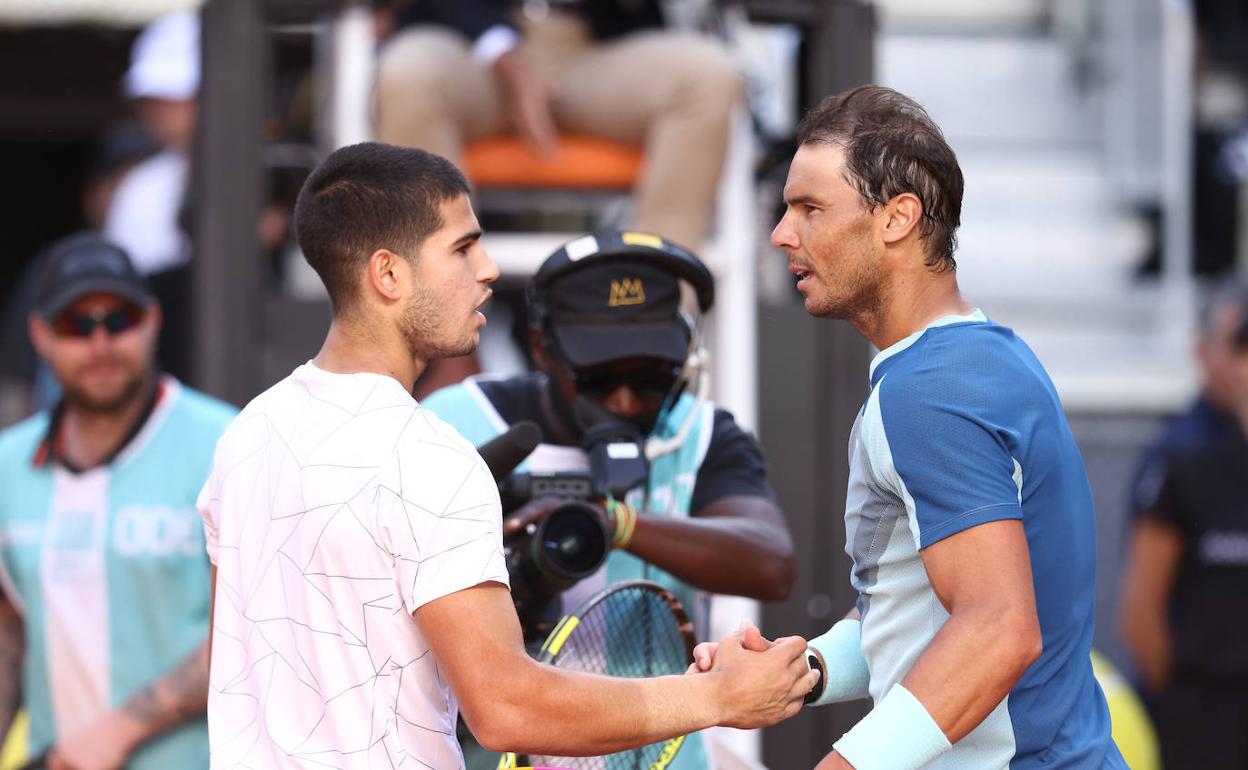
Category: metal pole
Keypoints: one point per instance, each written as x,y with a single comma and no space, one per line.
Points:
228,187
734,356
1178,61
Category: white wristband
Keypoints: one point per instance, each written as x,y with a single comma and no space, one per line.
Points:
845,675
898,734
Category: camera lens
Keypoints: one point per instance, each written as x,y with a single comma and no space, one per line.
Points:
572,542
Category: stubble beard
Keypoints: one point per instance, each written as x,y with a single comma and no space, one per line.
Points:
423,325
857,294
82,400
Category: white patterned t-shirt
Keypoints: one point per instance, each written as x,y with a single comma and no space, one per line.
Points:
336,507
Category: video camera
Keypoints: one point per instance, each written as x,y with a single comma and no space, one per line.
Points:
571,543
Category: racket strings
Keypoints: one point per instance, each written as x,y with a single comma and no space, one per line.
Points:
629,635
632,633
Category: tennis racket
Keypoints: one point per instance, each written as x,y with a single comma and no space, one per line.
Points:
37,763
632,629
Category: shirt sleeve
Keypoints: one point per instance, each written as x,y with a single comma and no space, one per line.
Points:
439,515
733,465
208,503
1172,503
943,453
1147,480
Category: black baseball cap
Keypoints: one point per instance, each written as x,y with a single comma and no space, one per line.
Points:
619,308
87,263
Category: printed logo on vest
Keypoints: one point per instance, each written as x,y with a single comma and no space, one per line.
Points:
157,531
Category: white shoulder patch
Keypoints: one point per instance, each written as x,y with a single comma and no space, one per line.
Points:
582,247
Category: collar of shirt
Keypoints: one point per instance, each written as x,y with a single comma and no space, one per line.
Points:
51,448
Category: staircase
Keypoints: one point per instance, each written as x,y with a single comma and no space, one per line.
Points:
1047,245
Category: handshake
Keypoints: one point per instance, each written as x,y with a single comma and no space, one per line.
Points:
761,682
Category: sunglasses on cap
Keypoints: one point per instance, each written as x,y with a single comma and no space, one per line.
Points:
83,325
600,383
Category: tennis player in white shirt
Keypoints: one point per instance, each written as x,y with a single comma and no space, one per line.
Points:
360,592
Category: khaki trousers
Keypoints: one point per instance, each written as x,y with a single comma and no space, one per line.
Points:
671,92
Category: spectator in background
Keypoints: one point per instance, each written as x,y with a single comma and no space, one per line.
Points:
1185,603
25,384
1211,417
145,216
459,71
105,608
163,81
117,151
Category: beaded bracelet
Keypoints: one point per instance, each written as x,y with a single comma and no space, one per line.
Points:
623,518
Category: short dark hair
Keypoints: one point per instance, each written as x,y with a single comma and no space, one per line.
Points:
365,197
893,146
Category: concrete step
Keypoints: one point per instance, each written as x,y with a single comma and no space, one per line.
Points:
1128,351
964,15
998,89
1100,372
1045,245
1060,258
1036,181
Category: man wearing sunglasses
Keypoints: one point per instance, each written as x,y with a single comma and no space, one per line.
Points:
610,341
104,616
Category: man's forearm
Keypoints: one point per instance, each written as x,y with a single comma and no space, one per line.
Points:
971,665
12,652
570,713
174,698
727,554
1147,636
513,703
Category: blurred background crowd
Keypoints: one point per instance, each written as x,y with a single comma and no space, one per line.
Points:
1104,144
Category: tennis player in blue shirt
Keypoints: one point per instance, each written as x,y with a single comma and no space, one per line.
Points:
968,517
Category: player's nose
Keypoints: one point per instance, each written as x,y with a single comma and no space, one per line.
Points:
783,236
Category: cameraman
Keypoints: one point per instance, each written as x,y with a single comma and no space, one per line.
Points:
611,344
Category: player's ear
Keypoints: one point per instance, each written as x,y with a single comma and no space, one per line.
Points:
385,274
900,215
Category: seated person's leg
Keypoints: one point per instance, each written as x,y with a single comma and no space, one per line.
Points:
673,92
431,94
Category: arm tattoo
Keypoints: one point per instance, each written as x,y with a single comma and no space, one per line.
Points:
175,697
12,653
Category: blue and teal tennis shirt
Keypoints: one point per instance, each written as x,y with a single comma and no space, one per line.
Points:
963,427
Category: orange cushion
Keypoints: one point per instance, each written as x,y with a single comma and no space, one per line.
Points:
580,162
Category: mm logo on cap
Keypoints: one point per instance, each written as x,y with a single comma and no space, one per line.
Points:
626,291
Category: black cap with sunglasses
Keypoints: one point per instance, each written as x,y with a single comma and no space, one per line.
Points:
87,263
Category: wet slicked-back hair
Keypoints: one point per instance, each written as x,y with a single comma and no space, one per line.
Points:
892,146
366,197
